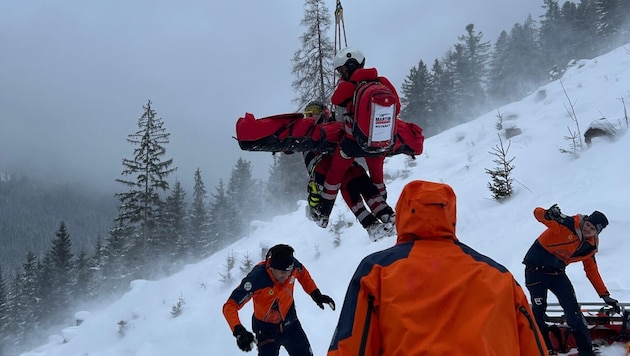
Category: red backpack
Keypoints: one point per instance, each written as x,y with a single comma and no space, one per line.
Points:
374,116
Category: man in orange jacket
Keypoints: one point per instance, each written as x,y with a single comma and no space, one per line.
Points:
432,295
270,284
567,239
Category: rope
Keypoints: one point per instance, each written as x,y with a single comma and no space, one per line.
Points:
339,27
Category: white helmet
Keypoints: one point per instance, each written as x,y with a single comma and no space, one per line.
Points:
346,54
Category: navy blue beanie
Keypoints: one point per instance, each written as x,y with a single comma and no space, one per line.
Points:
281,257
598,219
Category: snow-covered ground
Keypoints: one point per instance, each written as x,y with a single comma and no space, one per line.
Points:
596,180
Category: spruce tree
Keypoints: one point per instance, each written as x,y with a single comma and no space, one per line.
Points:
198,217
240,192
312,64
83,276
174,242
147,174
4,312
225,221
471,58
416,98
287,183
60,265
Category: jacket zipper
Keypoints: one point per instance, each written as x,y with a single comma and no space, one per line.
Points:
366,326
533,326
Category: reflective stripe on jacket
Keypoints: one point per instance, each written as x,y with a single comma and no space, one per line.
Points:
273,301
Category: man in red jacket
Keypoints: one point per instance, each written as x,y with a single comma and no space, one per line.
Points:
270,284
430,294
567,239
349,63
357,188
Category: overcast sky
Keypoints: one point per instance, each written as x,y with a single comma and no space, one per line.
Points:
74,75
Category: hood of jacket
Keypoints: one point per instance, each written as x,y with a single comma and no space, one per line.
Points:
426,211
364,74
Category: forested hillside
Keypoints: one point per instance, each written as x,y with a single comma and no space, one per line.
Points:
31,212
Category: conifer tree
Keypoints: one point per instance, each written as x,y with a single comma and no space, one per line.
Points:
174,242
240,192
83,276
312,64
25,313
471,57
416,96
59,264
147,174
287,183
198,217
225,222
4,312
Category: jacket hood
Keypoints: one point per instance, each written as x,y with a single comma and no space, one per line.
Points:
363,74
426,210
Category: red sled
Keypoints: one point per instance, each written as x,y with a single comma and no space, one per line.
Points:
286,133
294,133
606,325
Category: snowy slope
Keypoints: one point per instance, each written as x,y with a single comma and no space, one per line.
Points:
596,180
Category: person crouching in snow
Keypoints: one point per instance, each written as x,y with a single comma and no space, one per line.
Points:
430,294
270,284
357,188
567,239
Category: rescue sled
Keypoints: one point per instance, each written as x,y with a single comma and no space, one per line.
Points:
293,132
606,325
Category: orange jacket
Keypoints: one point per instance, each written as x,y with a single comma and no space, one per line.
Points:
432,295
563,243
273,301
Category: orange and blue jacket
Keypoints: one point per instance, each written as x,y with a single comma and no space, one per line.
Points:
562,243
273,301
431,294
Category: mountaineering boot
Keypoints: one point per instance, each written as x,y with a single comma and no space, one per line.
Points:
389,220
378,231
311,213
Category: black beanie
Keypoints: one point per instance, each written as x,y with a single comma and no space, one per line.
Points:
598,219
281,257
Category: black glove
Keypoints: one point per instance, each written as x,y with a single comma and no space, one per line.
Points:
553,213
320,299
244,338
612,302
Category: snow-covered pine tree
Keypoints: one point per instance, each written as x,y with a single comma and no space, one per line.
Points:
501,184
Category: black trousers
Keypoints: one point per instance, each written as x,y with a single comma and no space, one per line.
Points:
289,334
539,280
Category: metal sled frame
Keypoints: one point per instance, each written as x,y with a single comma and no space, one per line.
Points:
598,315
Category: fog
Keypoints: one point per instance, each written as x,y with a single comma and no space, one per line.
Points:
75,75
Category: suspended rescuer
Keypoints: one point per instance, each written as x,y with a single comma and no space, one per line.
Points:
349,63
357,188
